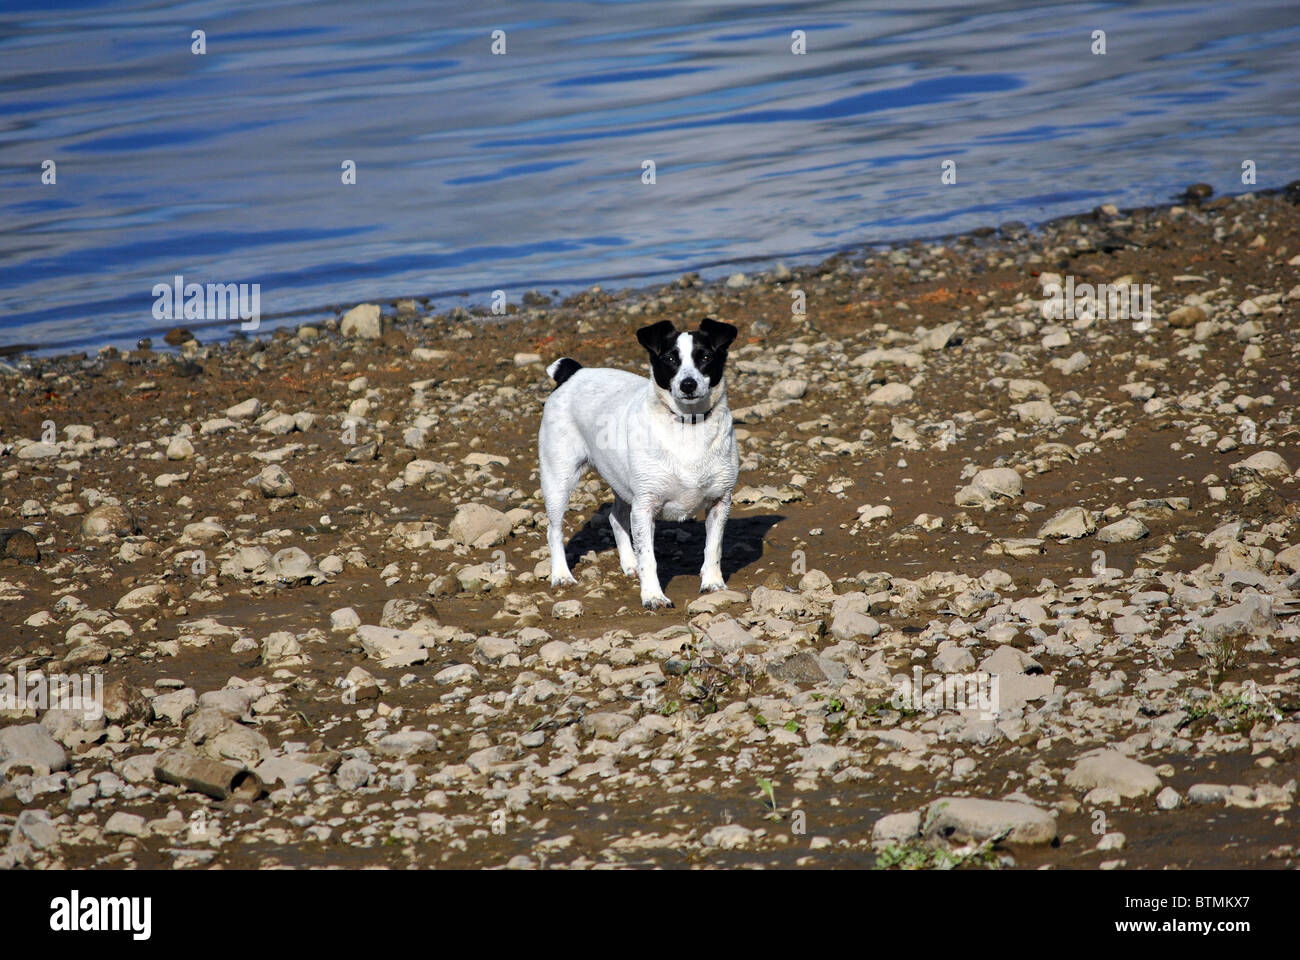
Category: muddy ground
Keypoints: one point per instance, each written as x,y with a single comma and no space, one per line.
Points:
490,727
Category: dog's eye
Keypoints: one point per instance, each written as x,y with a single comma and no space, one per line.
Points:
704,356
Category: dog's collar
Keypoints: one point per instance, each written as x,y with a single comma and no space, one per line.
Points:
691,417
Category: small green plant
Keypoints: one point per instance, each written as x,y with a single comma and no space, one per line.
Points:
837,714
928,851
1222,655
1236,712
920,855
769,794
904,712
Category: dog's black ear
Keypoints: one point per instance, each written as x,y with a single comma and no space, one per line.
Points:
717,334
658,337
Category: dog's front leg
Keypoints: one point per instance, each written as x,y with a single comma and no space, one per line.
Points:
643,541
714,522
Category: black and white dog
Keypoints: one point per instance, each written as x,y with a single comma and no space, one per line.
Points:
666,447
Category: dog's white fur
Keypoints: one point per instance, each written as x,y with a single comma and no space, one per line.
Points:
627,427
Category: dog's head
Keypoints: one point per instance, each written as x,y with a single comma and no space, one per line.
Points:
688,365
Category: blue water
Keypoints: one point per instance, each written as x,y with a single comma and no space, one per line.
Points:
477,172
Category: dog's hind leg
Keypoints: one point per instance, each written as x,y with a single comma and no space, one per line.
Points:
620,521
558,482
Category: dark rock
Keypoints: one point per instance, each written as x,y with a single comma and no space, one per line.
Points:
807,667
363,453
19,545
124,703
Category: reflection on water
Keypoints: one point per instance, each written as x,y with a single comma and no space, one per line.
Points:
476,171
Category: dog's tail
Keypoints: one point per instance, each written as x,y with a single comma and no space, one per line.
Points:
562,369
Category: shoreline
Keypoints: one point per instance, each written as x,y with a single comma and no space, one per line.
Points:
322,558
442,302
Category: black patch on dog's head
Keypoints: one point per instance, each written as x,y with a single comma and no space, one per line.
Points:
709,347
660,341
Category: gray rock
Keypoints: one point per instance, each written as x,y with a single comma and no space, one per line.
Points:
728,635
566,609
281,648
30,744
353,774
407,743
492,649
851,625
897,828
1035,411
385,643
73,722
108,519
344,619
1266,464
128,824
728,837
245,411
1168,799
142,598
34,828
1123,531
605,725
953,658
480,526
808,667
456,673
180,448
39,451
890,395
1253,612
1112,841
230,702
1110,768
823,758
1207,793
175,707
362,321
400,612
293,564
288,771
1069,524
275,483
971,819
792,389
990,487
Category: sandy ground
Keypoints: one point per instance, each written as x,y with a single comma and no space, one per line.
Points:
930,468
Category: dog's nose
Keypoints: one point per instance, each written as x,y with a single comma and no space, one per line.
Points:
688,386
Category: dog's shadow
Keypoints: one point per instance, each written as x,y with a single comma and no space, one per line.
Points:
679,547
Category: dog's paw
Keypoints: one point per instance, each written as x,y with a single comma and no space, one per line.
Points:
566,581
656,603
712,586
630,571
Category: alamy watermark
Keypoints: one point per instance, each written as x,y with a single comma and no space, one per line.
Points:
1103,301
953,691
40,691
179,300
